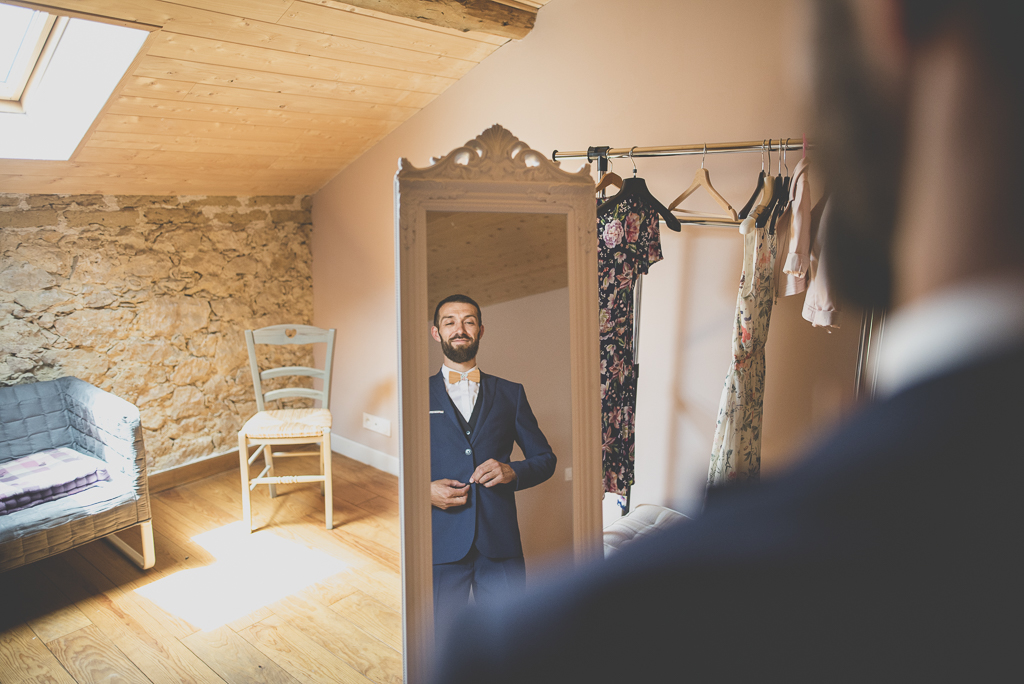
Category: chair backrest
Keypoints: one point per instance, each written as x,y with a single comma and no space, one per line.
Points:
291,334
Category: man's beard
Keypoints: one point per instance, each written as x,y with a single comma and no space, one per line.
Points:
860,136
460,354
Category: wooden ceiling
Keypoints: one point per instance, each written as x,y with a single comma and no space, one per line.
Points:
252,97
494,257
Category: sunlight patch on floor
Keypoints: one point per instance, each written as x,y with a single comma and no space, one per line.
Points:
252,571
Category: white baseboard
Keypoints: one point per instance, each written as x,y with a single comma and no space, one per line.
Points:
364,454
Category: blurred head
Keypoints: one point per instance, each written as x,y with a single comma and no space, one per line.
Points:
458,327
866,56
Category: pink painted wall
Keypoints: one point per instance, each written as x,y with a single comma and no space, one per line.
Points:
620,73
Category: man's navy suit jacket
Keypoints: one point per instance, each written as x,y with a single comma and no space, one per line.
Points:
893,552
489,516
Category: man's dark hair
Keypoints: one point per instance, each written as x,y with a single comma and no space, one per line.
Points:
461,299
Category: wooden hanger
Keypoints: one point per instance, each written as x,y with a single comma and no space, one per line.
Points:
610,178
702,179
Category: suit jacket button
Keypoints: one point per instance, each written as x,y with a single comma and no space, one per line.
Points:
467,433
469,452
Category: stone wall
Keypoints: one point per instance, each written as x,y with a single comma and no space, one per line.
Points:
148,298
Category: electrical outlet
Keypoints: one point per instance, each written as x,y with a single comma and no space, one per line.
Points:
377,424
568,474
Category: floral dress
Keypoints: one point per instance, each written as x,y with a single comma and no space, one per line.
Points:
736,452
628,243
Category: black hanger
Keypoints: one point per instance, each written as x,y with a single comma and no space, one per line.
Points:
753,198
637,187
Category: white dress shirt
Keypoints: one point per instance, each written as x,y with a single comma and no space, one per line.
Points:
463,393
948,330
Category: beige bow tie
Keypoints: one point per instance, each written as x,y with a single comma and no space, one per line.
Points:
472,376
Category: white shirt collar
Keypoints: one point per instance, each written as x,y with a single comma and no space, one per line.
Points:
948,330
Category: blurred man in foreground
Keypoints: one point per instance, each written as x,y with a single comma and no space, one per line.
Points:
893,551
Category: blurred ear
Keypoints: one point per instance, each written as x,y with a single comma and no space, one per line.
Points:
434,333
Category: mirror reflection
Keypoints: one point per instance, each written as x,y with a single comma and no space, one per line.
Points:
500,403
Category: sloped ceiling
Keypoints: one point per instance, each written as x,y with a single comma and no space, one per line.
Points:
252,97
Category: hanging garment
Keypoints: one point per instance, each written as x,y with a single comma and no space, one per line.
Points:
820,303
736,451
794,230
628,243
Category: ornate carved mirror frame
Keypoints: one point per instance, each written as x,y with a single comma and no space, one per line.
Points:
494,172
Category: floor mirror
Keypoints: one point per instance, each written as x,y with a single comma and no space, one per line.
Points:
501,223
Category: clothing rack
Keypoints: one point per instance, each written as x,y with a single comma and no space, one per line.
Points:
871,320
598,153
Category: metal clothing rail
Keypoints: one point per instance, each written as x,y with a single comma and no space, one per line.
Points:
605,152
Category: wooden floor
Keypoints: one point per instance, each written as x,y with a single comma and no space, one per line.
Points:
293,602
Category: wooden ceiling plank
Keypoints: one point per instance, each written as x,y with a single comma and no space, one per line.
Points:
261,10
325,163
156,88
342,6
110,155
412,36
484,16
304,42
193,49
215,75
116,123
297,103
184,143
192,111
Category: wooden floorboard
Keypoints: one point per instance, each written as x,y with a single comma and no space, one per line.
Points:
89,615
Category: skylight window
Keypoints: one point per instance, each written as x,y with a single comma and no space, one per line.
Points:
23,34
74,72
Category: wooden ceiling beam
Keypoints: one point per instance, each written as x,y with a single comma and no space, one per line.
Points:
484,16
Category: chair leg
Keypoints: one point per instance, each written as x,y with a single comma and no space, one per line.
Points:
269,456
243,461
325,464
147,558
323,486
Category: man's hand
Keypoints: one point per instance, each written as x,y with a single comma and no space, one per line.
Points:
448,493
491,472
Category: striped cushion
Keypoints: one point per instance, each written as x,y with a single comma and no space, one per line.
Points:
287,423
48,475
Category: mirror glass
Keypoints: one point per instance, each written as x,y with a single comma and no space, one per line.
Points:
515,266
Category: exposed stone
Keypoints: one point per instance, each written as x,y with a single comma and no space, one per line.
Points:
21,275
19,365
145,297
193,371
95,328
40,300
228,241
109,219
149,266
46,255
20,337
82,364
285,216
271,200
166,317
213,202
240,220
28,219
174,216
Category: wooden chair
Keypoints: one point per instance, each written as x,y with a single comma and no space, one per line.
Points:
270,428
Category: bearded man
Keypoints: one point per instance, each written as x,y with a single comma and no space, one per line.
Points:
474,420
892,551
